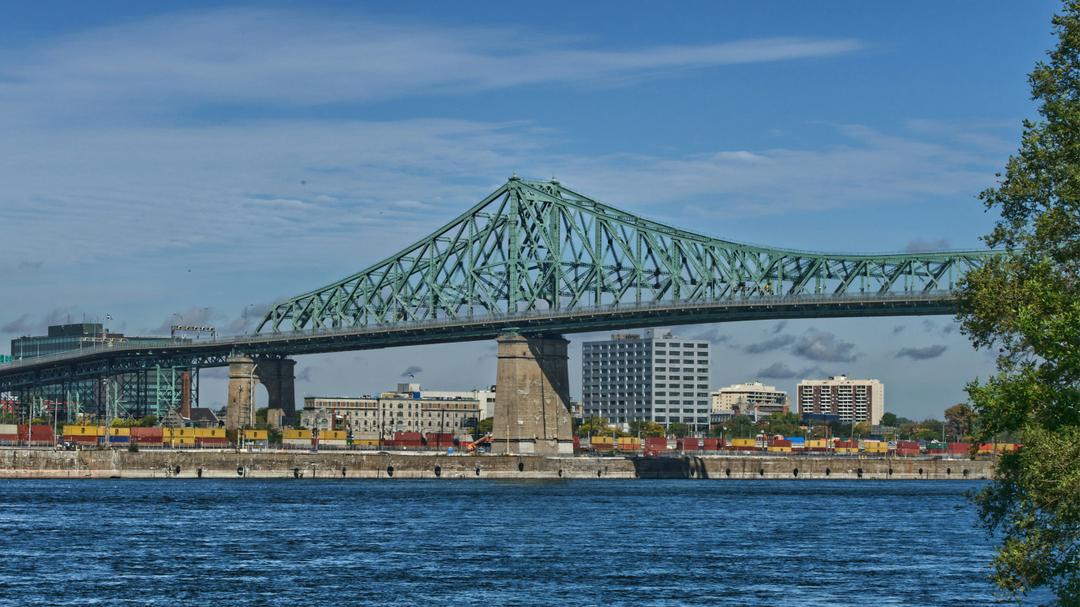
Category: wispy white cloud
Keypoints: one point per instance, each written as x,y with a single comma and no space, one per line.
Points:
283,58
865,168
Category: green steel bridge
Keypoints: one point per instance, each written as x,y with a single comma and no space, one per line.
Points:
540,258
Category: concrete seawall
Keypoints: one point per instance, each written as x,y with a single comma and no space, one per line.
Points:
34,463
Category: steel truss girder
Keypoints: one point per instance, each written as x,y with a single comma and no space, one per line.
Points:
534,245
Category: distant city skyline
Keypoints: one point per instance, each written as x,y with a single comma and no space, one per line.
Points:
194,162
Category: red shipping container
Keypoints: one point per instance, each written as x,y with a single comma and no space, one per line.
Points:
711,444
689,444
779,443
959,448
147,433
907,444
408,436
907,452
38,433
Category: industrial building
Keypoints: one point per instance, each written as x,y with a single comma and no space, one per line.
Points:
162,392
753,399
850,400
404,410
650,377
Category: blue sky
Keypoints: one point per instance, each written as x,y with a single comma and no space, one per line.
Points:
167,160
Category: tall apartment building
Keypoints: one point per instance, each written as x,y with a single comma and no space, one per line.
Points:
647,377
852,400
753,399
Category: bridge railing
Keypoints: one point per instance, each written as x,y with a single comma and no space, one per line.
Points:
490,318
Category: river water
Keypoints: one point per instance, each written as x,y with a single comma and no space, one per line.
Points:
413,542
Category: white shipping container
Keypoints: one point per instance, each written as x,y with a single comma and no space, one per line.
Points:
9,429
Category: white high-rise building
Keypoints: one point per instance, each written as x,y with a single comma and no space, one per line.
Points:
753,399
852,400
647,377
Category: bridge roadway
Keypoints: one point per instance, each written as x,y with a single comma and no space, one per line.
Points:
106,361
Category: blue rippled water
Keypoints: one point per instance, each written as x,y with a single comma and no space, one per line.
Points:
435,542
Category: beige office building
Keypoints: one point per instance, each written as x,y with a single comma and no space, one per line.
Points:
753,399
391,412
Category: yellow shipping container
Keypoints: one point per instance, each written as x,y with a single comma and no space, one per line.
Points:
366,442
847,450
120,431
255,435
209,432
602,440
332,435
817,443
779,449
84,430
296,433
743,442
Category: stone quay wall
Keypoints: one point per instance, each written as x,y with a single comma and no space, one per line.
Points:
43,463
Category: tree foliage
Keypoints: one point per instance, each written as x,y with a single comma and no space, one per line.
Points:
784,424
646,428
739,426
595,425
1025,304
484,427
959,421
678,429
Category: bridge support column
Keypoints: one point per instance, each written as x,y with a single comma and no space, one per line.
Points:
531,396
240,409
279,377
245,373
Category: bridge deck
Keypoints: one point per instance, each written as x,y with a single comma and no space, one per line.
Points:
211,353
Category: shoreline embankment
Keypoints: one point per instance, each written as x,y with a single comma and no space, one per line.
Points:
44,463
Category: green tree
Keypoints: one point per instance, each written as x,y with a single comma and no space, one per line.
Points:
860,430
594,425
646,428
484,427
784,424
678,429
1025,304
959,421
739,426
888,419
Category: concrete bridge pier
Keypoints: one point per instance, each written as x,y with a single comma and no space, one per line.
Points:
532,395
277,375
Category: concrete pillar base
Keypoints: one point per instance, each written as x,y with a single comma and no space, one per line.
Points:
245,373
531,397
